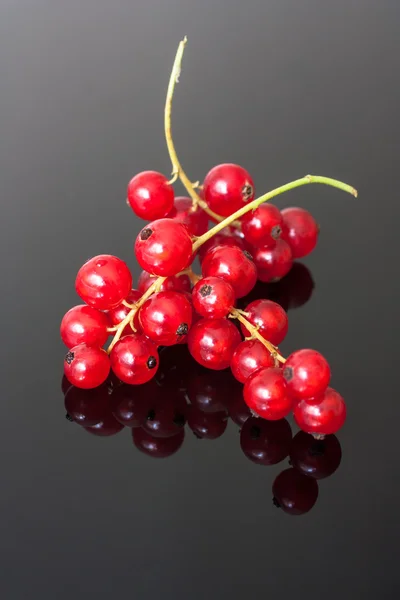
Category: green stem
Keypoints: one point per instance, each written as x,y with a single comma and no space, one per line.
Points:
276,192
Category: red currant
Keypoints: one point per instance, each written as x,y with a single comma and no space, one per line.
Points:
84,325
177,283
103,281
263,226
307,374
227,188
87,407
213,297
164,247
265,394
120,312
265,442
157,447
233,265
273,263
86,367
322,415
212,342
248,357
270,318
195,220
165,317
294,492
315,458
300,231
150,195
106,427
222,238
207,425
134,359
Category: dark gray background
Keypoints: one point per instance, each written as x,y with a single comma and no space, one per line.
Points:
284,88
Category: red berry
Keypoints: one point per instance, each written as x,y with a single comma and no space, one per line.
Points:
307,374
273,263
207,425
265,394
322,415
150,195
294,493
165,317
87,407
84,325
166,416
213,297
270,318
315,458
157,447
227,188
263,226
106,427
265,442
248,357
222,238
120,312
130,404
177,283
195,220
134,359
86,367
233,265
300,231
103,281
212,342
164,247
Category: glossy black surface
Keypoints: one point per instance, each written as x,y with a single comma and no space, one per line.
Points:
284,88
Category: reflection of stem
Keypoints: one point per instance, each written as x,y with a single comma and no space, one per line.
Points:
280,190
121,326
177,170
238,314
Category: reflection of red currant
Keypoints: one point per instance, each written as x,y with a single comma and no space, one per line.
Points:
106,427
207,425
130,404
157,447
87,407
265,442
294,492
315,458
166,416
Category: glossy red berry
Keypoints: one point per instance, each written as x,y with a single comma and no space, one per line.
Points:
307,374
134,359
294,492
316,458
157,447
166,317
222,238
207,425
322,415
273,263
265,394
106,427
87,407
164,247
263,226
265,442
195,220
86,367
130,404
233,265
84,325
227,188
300,231
213,297
103,281
177,283
212,342
166,416
270,318
120,312
150,195
248,357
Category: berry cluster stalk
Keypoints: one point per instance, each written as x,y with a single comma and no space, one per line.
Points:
197,242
